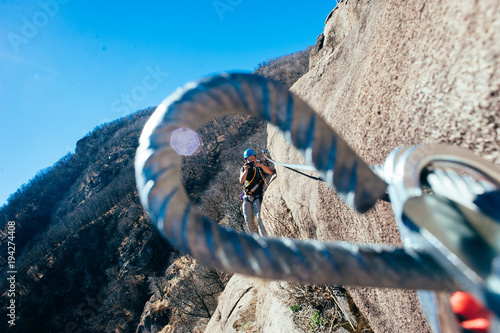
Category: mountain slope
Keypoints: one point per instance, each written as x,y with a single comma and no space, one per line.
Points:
75,263
88,258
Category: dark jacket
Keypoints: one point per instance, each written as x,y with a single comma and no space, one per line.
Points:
254,184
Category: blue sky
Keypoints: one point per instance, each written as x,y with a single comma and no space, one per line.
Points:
67,66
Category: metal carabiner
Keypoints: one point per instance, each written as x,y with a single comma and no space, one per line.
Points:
445,199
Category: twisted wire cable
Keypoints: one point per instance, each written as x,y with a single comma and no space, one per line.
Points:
163,195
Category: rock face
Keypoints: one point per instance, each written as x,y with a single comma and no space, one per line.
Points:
251,305
386,74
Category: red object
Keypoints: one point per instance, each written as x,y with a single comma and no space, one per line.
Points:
473,316
478,325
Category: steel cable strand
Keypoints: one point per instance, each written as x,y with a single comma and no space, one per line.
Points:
163,195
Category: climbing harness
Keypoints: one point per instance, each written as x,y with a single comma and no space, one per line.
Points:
445,201
250,188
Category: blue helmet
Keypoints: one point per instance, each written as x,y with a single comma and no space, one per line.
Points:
248,152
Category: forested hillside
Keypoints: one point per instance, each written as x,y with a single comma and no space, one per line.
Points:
88,260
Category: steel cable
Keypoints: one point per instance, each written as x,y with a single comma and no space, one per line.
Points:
163,195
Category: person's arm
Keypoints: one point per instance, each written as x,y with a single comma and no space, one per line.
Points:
243,174
265,168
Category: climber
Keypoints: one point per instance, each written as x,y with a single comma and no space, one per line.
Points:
253,179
